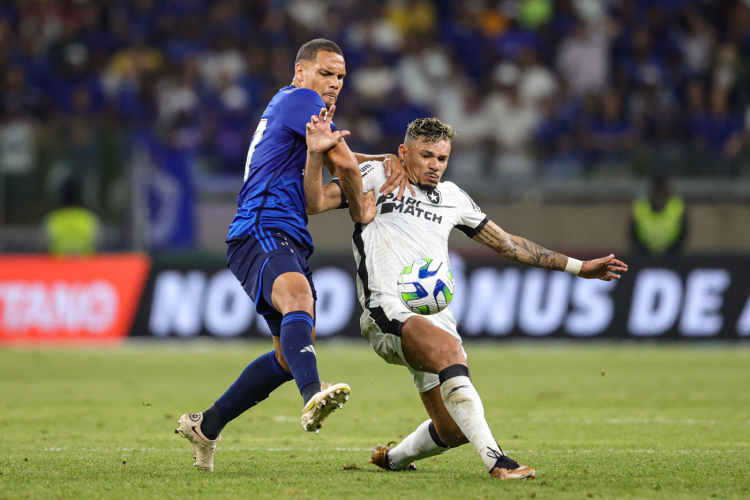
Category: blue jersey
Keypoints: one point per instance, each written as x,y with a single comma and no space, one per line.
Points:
273,195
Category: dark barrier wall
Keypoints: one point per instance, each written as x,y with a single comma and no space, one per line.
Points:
691,298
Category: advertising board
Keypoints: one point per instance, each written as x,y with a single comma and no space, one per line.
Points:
52,299
688,298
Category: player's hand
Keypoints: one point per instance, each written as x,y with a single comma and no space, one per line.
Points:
604,269
318,134
397,178
370,209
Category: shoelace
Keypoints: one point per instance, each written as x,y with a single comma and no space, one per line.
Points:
503,461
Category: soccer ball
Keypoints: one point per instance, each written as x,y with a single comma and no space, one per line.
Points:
426,286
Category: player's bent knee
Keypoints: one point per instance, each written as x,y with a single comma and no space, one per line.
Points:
291,292
295,299
280,358
448,354
300,301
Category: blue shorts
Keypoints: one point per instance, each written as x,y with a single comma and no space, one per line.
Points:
258,262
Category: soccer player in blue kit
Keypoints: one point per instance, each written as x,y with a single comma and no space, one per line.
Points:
269,244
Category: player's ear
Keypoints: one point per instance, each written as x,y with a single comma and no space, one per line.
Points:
299,73
402,152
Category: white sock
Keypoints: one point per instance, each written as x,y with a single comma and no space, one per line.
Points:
464,405
417,445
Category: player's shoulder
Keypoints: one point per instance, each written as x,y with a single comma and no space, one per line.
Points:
371,167
295,95
451,189
457,195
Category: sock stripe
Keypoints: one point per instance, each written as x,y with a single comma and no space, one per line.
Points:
292,319
453,371
434,435
297,316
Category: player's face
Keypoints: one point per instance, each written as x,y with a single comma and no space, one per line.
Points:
325,76
425,161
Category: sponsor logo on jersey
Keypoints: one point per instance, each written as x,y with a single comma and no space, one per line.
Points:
365,169
407,206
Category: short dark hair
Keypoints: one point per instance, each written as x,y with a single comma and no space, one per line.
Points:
309,51
430,130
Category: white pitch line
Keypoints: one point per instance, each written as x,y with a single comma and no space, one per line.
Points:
637,421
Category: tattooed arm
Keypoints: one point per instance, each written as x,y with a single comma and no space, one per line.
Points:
519,249
526,252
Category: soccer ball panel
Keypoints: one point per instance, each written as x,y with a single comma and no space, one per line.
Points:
426,286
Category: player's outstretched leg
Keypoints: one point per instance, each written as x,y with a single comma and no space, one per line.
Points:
261,377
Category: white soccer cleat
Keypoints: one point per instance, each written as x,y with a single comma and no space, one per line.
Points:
203,448
330,398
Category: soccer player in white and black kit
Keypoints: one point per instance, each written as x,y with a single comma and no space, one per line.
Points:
429,346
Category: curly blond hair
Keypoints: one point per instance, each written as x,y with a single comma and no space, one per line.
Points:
430,130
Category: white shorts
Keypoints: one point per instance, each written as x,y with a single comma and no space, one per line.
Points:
388,345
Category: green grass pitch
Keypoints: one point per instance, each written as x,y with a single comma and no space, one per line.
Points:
596,421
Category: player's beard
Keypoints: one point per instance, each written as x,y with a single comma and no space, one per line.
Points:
426,187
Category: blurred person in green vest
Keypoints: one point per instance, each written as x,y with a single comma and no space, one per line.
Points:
659,224
71,229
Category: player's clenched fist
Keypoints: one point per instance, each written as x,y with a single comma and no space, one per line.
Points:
320,138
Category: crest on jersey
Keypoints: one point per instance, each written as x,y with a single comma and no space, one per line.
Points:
434,196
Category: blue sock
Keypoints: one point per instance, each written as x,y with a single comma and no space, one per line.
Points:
297,346
256,383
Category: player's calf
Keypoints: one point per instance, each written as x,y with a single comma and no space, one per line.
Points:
465,406
448,434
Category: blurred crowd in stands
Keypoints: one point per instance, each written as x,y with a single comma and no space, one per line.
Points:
534,88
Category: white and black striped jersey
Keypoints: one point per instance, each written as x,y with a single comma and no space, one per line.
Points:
402,232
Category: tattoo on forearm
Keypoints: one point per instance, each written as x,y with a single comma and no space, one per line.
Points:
520,249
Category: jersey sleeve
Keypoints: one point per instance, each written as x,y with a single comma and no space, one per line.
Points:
373,175
471,219
299,107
